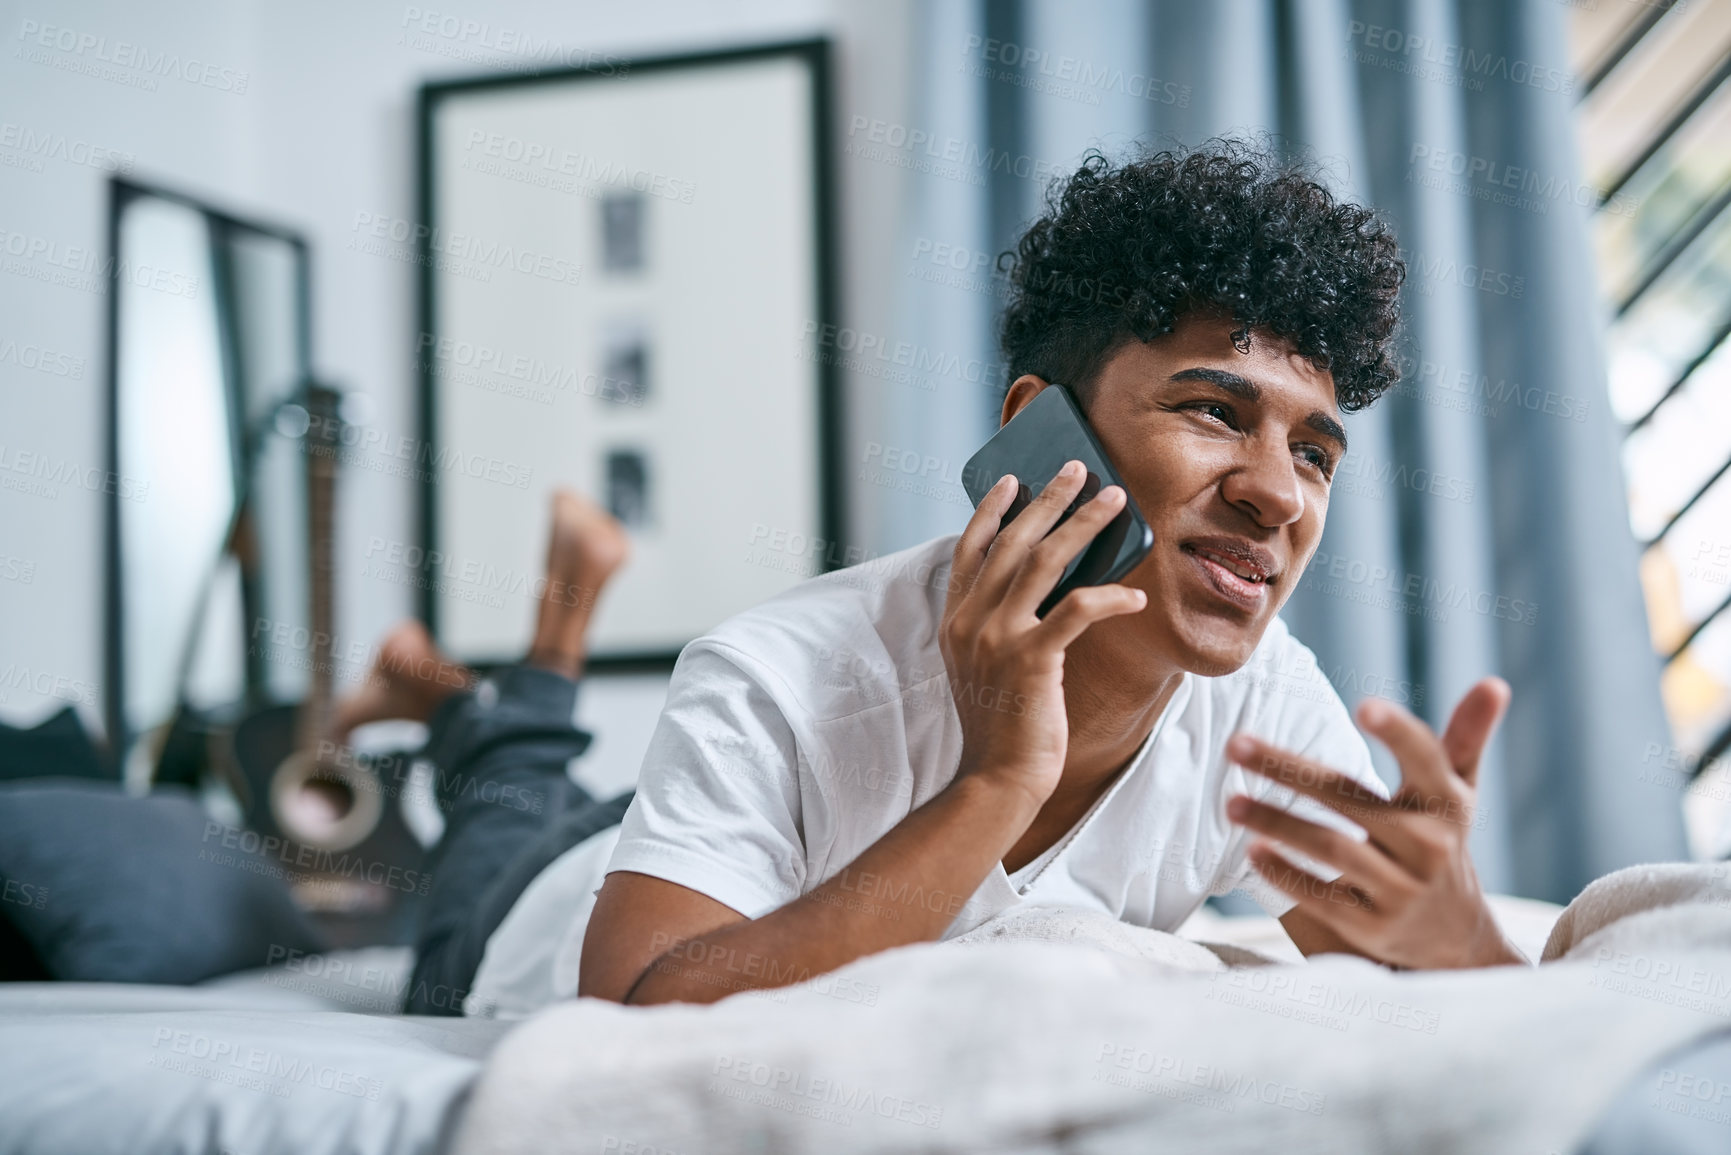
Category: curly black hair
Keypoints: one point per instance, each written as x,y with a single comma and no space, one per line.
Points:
1123,250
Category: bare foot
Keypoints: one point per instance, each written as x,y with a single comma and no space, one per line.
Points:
585,545
409,678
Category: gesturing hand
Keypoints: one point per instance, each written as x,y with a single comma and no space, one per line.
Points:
1408,895
1005,664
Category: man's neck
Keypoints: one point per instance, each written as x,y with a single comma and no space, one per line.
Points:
1113,696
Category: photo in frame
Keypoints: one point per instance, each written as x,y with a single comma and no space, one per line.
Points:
621,267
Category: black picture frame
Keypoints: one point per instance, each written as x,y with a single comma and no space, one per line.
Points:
815,55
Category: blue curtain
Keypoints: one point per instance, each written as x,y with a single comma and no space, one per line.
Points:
1479,525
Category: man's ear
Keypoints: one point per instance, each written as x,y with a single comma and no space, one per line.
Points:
1022,390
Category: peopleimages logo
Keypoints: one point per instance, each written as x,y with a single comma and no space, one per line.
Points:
43,468
86,272
1071,77
1409,592
449,358
1441,270
45,683
1499,183
39,145
918,365
883,139
800,1092
81,49
258,852
1465,63
583,168
365,440
448,34
466,247
30,356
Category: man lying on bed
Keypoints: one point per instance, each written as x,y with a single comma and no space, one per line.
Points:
893,753
1214,317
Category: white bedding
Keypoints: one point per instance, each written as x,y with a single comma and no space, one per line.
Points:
1122,1040
251,1065
998,1046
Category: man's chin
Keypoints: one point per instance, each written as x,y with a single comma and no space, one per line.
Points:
1218,652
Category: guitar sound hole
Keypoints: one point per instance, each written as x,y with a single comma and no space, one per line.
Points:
321,803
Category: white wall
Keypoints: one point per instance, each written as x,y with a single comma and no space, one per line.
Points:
320,130
50,535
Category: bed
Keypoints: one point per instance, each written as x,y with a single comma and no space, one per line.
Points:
1052,1032
307,1059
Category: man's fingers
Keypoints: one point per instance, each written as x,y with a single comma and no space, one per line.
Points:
1339,905
1388,825
1333,789
1081,608
1472,724
1043,564
1408,830
1424,766
1009,549
1034,522
1345,853
976,539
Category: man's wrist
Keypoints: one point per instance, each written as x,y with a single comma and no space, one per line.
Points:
1001,803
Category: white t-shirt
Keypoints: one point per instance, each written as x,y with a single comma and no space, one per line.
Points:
798,733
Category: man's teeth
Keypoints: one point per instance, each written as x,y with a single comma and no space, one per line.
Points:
1235,567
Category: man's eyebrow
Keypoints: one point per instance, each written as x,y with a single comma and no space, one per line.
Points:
1220,378
1246,390
1328,427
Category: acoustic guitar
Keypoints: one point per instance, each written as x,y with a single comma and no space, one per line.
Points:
336,817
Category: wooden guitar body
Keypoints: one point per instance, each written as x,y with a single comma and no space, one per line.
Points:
338,824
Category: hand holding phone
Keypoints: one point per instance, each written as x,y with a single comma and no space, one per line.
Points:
1033,446
1005,666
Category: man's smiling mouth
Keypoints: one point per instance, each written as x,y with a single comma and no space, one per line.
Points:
1237,570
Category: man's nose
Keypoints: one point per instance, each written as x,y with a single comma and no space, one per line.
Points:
1265,484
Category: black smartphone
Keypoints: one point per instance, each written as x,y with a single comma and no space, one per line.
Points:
1035,443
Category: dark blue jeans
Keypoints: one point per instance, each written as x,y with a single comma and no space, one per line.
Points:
499,757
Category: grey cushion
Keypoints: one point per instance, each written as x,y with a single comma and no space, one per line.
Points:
57,746
106,887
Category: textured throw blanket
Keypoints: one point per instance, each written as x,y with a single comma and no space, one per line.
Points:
1058,1031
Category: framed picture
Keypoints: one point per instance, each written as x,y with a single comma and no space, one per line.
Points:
621,268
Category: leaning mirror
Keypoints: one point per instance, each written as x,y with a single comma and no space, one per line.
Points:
208,348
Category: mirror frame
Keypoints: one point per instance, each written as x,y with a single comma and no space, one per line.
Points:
223,225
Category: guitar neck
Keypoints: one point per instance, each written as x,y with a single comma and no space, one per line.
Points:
321,444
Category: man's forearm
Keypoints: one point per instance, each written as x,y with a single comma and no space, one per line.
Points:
905,888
